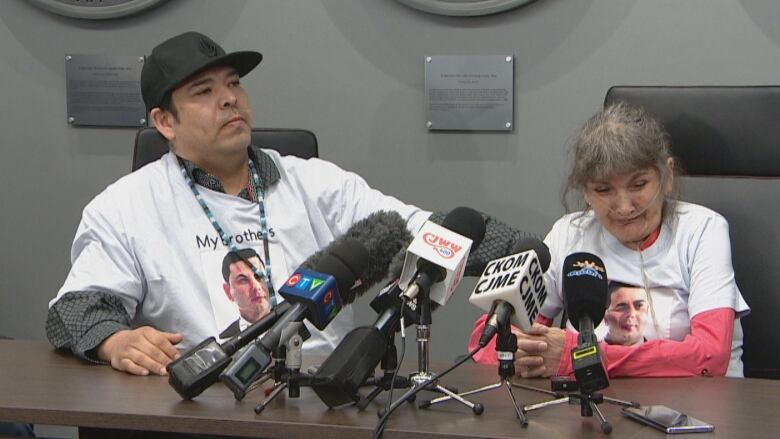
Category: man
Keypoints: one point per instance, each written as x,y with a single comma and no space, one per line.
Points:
626,314
143,252
244,288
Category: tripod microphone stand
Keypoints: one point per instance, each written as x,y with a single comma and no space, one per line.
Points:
589,402
506,346
423,377
385,382
590,377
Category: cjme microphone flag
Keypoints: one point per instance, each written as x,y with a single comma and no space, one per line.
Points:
517,279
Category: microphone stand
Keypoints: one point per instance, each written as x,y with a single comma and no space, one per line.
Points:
286,372
590,376
588,405
385,382
506,346
423,377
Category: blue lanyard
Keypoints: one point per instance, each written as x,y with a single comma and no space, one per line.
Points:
263,225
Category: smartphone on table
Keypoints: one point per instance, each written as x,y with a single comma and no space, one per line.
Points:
667,419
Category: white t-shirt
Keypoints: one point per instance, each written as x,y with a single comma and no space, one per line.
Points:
147,240
688,270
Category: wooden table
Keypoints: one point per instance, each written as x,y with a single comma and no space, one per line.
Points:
39,385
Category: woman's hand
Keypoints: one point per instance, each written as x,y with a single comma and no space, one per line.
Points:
539,351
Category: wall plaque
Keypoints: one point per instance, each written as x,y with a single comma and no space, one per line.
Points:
470,93
104,90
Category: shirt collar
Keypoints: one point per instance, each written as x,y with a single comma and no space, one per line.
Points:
266,169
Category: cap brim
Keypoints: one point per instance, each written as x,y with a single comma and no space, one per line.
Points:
243,61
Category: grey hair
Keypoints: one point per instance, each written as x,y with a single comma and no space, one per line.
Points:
620,138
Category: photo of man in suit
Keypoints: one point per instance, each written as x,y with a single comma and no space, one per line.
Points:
243,288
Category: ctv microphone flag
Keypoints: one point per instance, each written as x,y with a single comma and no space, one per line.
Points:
517,279
318,292
443,248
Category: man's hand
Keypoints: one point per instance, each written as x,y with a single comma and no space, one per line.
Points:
539,351
140,351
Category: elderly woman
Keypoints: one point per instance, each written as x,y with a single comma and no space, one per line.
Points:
678,252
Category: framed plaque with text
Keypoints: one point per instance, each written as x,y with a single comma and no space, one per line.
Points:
469,92
104,90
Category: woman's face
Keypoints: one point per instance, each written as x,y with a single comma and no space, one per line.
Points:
626,316
629,205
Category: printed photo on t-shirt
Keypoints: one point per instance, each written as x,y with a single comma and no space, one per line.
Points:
238,296
242,286
627,316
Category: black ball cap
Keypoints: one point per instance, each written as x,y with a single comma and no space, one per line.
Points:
182,56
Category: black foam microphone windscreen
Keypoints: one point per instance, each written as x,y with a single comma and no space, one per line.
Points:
538,246
397,264
383,234
584,288
345,260
467,222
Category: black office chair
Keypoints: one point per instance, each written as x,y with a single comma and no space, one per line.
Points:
150,146
728,142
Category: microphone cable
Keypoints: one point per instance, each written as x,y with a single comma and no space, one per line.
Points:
400,357
380,426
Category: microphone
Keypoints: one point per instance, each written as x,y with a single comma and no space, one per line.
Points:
383,233
199,368
512,288
585,299
314,295
436,258
337,380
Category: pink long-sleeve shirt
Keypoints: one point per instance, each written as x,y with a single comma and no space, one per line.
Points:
705,351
